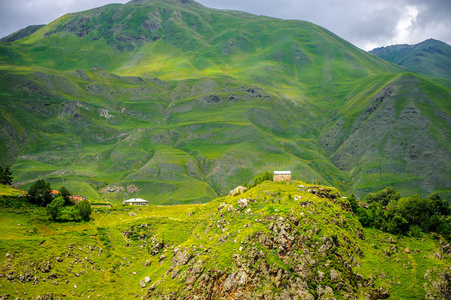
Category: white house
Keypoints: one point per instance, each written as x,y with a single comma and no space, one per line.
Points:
135,201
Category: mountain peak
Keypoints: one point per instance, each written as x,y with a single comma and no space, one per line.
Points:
430,57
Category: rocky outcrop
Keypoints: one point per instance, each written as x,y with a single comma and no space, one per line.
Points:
238,190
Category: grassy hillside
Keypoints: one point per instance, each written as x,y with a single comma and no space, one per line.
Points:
430,57
184,103
281,239
22,33
7,191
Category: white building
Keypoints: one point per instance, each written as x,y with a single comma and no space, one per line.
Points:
135,201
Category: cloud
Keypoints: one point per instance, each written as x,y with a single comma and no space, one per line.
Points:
365,23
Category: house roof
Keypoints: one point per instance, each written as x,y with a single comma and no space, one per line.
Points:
282,172
135,200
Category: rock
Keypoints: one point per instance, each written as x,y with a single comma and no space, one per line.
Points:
238,190
147,279
321,275
335,275
9,255
132,214
132,188
230,209
46,267
243,203
58,259
380,293
147,263
142,284
391,240
181,258
175,273
195,272
406,250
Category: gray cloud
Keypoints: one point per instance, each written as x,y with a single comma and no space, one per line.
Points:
365,23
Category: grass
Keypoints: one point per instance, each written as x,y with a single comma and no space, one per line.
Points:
114,262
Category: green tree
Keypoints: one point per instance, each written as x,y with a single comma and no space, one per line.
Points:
384,196
54,208
39,193
65,193
5,175
439,205
84,209
398,225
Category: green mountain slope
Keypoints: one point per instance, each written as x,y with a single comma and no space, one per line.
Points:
20,34
177,103
277,241
430,57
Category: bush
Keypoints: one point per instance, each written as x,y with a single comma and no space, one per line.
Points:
39,193
54,208
84,209
65,194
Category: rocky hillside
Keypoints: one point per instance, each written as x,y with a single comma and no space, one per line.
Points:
176,103
430,57
286,240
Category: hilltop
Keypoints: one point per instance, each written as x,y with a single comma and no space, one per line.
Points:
431,57
177,103
275,241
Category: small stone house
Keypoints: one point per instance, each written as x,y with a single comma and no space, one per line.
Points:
77,198
282,175
135,201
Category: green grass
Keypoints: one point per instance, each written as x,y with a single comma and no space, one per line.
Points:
113,257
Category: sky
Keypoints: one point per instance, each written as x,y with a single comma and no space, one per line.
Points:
365,23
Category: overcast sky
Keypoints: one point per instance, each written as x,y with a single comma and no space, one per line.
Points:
365,23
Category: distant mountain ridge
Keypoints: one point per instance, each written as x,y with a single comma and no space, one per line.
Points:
20,34
174,102
431,57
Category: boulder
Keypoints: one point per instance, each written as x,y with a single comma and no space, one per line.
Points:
238,190
335,275
243,203
181,258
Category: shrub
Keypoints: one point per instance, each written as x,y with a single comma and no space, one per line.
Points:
39,193
85,210
54,208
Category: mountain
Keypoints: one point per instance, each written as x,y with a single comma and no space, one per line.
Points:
430,57
286,240
20,34
174,102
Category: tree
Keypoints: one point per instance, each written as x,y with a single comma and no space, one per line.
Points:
384,196
440,206
398,225
65,193
85,210
54,208
39,193
5,175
